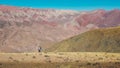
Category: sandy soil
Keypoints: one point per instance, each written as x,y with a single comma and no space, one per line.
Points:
60,60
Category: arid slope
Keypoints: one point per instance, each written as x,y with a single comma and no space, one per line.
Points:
98,40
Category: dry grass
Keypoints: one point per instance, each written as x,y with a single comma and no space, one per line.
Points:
60,60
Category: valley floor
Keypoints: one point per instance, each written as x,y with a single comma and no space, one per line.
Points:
60,60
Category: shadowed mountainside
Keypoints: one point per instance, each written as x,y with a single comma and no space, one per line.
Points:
99,40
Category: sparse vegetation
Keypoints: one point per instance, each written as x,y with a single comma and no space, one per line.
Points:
46,55
33,57
66,60
88,63
26,54
100,58
10,58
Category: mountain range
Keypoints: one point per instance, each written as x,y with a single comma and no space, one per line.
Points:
25,29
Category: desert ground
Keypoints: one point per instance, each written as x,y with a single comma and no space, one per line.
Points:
60,60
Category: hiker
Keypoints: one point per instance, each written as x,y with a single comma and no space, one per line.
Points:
39,49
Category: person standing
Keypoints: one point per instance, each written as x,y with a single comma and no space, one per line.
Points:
39,49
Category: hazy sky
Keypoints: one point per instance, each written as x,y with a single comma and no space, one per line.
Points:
65,4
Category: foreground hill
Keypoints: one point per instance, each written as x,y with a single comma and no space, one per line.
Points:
99,40
60,60
24,29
